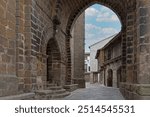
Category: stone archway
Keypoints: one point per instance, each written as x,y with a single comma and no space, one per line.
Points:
110,78
120,11
53,62
126,11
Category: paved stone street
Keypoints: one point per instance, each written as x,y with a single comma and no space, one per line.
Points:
95,92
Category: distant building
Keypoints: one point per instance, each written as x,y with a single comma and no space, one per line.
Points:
87,67
87,63
94,76
109,62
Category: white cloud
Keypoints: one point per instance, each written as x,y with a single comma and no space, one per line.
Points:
103,14
89,36
107,17
91,12
105,9
109,31
89,27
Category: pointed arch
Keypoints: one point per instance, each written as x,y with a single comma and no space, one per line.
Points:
53,62
117,6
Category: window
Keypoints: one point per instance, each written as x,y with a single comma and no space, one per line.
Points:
85,68
89,68
109,54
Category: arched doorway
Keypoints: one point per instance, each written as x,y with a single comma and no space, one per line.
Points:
118,77
53,62
110,78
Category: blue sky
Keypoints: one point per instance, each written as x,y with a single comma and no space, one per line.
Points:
100,23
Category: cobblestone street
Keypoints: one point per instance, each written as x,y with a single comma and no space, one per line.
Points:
95,92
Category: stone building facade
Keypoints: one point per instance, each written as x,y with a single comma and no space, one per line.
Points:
109,62
28,28
94,73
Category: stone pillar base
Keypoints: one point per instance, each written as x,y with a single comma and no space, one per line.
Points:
8,85
135,91
80,82
71,87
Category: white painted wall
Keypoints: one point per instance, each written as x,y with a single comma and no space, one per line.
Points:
87,63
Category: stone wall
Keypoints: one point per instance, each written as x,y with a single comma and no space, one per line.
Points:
138,87
143,42
26,27
87,77
42,30
8,78
114,67
37,23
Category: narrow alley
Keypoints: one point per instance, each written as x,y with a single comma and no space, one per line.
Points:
95,92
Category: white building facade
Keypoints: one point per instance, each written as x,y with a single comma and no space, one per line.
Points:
87,63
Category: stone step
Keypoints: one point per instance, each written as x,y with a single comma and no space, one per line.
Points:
24,96
51,85
59,91
60,96
43,94
71,87
51,94
54,88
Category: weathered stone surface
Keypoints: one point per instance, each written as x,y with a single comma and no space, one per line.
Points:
25,96
26,27
80,82
8,85
71,87
135,91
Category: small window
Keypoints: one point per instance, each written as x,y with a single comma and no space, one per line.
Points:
109,54
89,69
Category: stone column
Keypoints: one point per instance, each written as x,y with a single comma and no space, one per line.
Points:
129,62
130,38
138,76
30,59
68,61
143,49
78,38
123,79
20,44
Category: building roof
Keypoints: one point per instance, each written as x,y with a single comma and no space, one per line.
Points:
114,37
106,39
112,40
